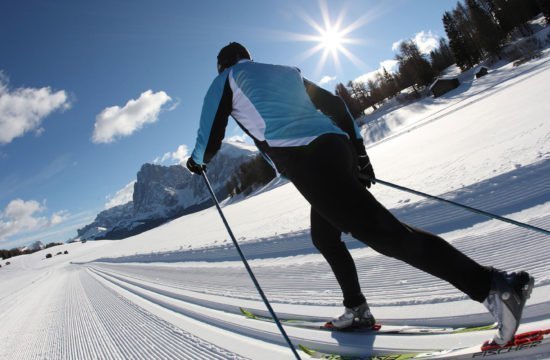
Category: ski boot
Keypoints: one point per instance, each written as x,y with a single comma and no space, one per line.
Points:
356,317
506,300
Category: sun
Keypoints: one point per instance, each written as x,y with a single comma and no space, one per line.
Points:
331,37
332,40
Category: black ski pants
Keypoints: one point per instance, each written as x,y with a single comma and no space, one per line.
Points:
324,172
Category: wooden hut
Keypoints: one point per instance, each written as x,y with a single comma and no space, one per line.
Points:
443,85
482,72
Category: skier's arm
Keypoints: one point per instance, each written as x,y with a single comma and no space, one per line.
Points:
216,109
335,108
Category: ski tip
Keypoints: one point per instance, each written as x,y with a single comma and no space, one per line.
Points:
307,350
247,313
477,328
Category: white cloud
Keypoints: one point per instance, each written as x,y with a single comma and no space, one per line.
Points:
21,216
179,156
114,122
243,138
327,79
164,158
366,77
123,196
395,45
426,41
22,110
59,217
57,233
390,65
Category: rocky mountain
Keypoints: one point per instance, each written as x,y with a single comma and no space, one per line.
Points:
162,193
36,246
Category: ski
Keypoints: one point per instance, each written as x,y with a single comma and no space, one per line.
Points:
325,356
378,328
523,345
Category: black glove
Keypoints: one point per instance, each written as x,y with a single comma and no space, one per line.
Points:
365,171
194,167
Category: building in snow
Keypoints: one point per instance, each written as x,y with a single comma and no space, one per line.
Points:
482,71
443,85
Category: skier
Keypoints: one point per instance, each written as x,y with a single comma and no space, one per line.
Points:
308,135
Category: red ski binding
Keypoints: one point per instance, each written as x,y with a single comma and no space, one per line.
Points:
518,340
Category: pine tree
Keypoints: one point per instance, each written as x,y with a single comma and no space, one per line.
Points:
444,56
513,14
388,84
459,28
413,65
363,94
445,50
456,42
526,9
487,32
250,174
441,57
467,30
375,93
353,105
360,92
504,15
488,6
544,6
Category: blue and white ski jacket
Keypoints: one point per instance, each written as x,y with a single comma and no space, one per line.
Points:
274,105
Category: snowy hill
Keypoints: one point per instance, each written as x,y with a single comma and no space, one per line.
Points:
175,291
162,193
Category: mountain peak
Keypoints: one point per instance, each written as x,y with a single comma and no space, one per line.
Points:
163,192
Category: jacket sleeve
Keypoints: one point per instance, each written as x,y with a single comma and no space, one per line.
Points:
335,108
217,107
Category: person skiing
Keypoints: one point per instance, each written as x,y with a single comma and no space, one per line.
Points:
308,135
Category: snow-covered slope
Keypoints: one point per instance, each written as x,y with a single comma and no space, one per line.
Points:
174,291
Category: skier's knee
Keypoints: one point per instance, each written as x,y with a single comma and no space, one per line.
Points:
327,245
323,244
387,240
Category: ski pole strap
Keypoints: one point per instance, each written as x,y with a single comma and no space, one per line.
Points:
466,207
249,269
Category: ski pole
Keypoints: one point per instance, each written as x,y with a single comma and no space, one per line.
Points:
466,207
249,269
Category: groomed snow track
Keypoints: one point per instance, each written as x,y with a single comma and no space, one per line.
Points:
223,313
122,309
80,318
211,289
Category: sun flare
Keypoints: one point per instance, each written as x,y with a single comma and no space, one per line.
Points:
331,36
332,39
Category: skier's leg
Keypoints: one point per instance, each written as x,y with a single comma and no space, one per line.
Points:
327,239
324,173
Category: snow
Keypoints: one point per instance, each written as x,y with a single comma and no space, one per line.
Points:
174,291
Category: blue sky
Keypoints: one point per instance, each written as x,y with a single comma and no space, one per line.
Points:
91,90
